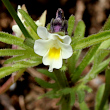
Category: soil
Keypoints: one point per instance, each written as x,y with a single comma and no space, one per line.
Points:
23,94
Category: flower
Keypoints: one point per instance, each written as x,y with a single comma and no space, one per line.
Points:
53,47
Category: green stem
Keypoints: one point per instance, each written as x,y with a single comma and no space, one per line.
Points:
107,89
61,78
66,103
15,17
62,81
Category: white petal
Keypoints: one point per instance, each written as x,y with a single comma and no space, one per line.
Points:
16,30
42,46
42,32
66,39
53,63
66,50
38,23
18,13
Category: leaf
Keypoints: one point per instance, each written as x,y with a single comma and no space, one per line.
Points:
106,25
79,31
78,34
4,71
29,42
85,61
98,99
83,106
70,25
28,19
91,40
97,60
106,92
47,73
16,59
45,84
11,52
81,95
10,39
72,97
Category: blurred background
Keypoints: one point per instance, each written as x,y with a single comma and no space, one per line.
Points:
23,94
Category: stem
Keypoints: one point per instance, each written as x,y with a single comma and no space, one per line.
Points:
10,81
66,103
107,89
62,81
15,17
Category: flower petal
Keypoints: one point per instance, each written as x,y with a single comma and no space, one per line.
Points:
42,32
42,46
66,39
66,50
16,30
53,63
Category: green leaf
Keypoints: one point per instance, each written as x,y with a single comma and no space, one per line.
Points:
78,34
72,97
17,58
91,40
47,73
29,42
4,71
83,106
106,92
11,52
79,31
98,99
85,61
28,19
81,95
70,25
106,25
101,54
10,39
45,84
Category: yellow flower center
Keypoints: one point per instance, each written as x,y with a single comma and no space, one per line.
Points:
54,53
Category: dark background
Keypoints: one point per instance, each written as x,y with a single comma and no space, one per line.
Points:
24,95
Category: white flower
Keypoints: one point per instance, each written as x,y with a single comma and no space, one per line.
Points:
53,48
